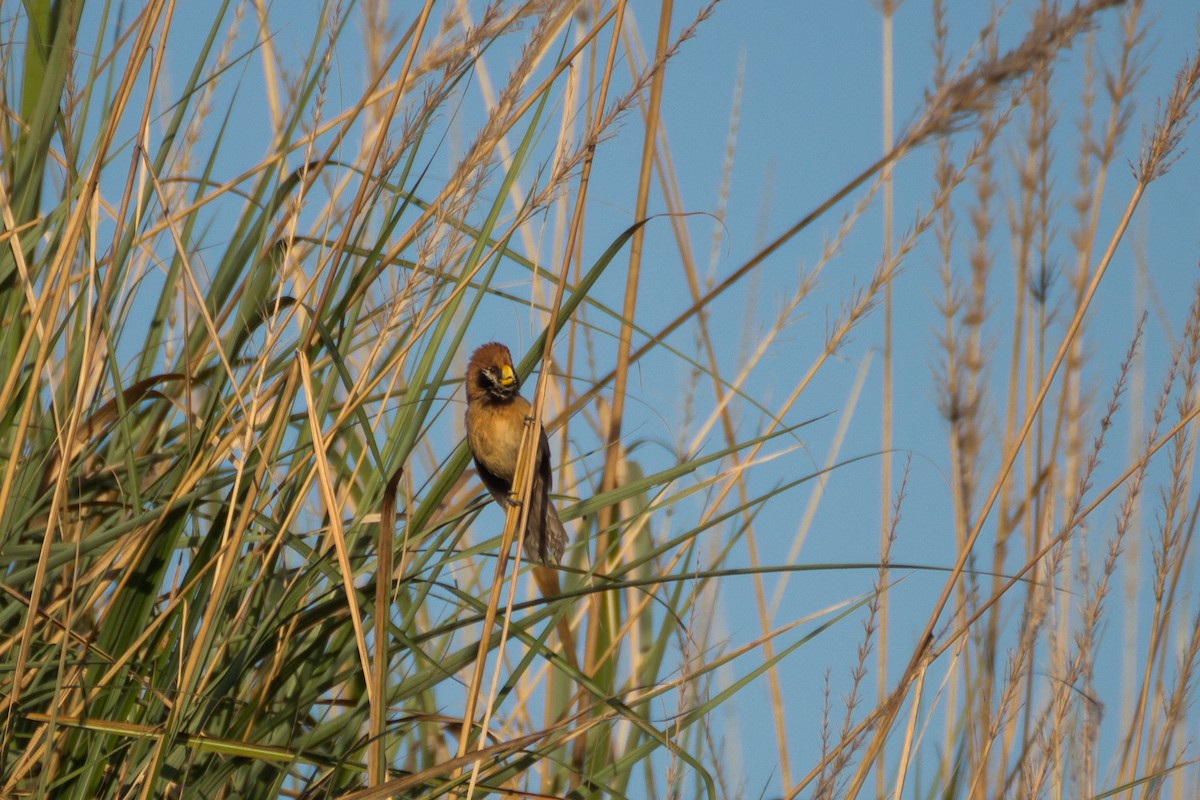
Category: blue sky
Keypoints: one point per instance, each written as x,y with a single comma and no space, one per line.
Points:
810,120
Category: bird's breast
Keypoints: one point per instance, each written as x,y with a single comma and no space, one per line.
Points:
494,436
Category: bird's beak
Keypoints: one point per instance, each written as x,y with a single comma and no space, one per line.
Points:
507,378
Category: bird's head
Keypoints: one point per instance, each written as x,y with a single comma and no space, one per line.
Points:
490,374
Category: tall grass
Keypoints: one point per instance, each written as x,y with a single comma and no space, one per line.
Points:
244,554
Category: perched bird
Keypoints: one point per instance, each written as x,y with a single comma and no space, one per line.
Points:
496,414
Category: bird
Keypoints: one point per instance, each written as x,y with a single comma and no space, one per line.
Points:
496,417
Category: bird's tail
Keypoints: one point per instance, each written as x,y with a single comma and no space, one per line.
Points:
547,540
